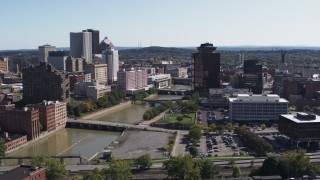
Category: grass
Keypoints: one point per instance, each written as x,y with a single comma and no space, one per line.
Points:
172,118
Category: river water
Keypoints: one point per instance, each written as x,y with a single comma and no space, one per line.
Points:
85,142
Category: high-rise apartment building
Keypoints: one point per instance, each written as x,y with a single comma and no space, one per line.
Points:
98,72
44,82
81,45
44,52
4,63
111,57
75,64
206,68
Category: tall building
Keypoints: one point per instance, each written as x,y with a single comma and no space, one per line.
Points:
81,45
44,52
252,76
75,64
4,63
95,40
110,56
206,68
98,72
44,82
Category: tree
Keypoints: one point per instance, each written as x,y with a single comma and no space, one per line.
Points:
77,111
182,167
232,162
143,162
193,151
229,127
270,166
263,126
2,149
54,168
195,132
119,170
179,118
212,127
220,128
96,174
208,169
236,172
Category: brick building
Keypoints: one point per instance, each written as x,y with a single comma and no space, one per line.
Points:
25,172
24,121
44,82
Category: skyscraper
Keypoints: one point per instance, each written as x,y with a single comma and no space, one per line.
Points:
95,40
206,68
81,45
44,52
110,56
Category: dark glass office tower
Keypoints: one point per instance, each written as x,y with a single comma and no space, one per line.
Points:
252,76
206,68
95,40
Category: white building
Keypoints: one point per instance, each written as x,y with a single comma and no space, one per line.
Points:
91,90
178,72
110,56
44,52
98,72
81,45
265,107
160,80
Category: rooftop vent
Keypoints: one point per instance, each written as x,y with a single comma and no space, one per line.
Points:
305,117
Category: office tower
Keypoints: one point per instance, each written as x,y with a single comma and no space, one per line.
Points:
81,45
98,72
4,63
206,68
44,82
95,40
110,56
58,59
252,76
44,52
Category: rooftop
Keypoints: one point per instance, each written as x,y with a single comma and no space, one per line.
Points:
258,98
21,172
295,118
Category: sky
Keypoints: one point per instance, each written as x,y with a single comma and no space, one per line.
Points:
27,24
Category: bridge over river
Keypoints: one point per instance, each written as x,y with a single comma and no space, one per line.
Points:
109,126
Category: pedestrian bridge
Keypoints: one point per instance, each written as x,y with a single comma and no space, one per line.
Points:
109,126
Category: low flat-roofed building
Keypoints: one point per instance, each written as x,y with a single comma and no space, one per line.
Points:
219,97
160,80
262,107
25,172
300,126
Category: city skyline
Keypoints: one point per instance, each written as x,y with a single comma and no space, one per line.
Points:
29,24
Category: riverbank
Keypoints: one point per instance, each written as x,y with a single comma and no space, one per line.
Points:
42,135
106,110
155,119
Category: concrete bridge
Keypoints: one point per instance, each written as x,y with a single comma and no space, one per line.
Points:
174,91
82,160
109,126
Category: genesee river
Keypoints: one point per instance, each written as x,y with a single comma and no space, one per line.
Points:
85,142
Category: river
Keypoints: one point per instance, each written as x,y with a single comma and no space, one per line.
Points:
85,142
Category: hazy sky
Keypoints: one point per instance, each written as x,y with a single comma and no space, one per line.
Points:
30,23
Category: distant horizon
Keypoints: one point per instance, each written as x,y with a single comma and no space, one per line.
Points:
188,47
165,23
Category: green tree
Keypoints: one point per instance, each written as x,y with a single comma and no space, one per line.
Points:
208,169
236,172
220,128
212,127
232,162
77,111
54,169
119,170
179,118
77,177
270,166
96,174
182,167
143,162
195,132
193,151
263,126
229,127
